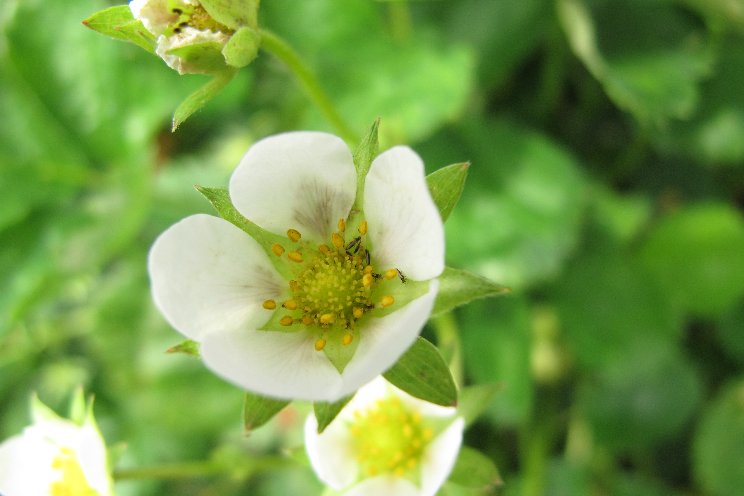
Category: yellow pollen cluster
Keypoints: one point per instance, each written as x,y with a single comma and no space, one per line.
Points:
389,438
72,481
196,17
333,284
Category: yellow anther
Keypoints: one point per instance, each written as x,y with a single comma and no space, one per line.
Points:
407,430
363,228
427,433
346,340
338,241
294,235
290,305
341,225
295,256
269,304
399,472
324,249
411,463
307,320
368,269
286,320
320,344
327,318
358,312
294,285
390,274
277,249
367,280
387,300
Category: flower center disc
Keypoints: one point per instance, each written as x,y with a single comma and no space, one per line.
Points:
389,438
73,481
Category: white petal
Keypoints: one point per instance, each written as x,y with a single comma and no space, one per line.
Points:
302,180
405,228
387,485
272,363
425,408
91,452
154,14
187,36
440,457
26,465
207,274
331,453
384,340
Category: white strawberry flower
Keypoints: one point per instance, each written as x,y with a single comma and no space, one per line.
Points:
55,457
386,442
335,298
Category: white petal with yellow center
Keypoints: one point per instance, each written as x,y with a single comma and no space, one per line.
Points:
405,228
207,275
299,180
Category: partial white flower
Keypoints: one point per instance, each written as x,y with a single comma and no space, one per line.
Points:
334,301
386,442
55,457
182,24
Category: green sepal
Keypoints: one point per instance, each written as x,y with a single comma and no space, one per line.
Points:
446,185
363,156
457,287
474,470
242,47
203,57
325,412
474,400
200,97
423,373
233,13
80,409
257,410
118,23
187,347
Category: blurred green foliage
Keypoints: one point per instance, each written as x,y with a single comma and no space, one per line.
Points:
606,188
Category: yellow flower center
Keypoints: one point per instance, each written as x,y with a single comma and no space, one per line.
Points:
389,438
334,284
72,481
196,17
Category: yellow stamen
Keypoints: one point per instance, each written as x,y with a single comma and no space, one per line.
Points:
324,249
368,269
295,256
277,249
341,225
338,241
358,312
363,228
307,320
327,318
320,344
390,274
269,304
346,340
367,280
290,305
387,300
294,235
286,320
294,285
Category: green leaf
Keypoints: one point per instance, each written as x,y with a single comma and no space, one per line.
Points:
325,412
446,185
200,97
474,400
695,254
423,373
233,13
220,200
718,449
457,287
475,470
364,154
117,22
242,47
203,57
257,410
188,347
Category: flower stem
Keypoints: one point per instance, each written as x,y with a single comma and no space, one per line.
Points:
309,82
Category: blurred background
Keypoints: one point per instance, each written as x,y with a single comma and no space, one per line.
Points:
606,189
